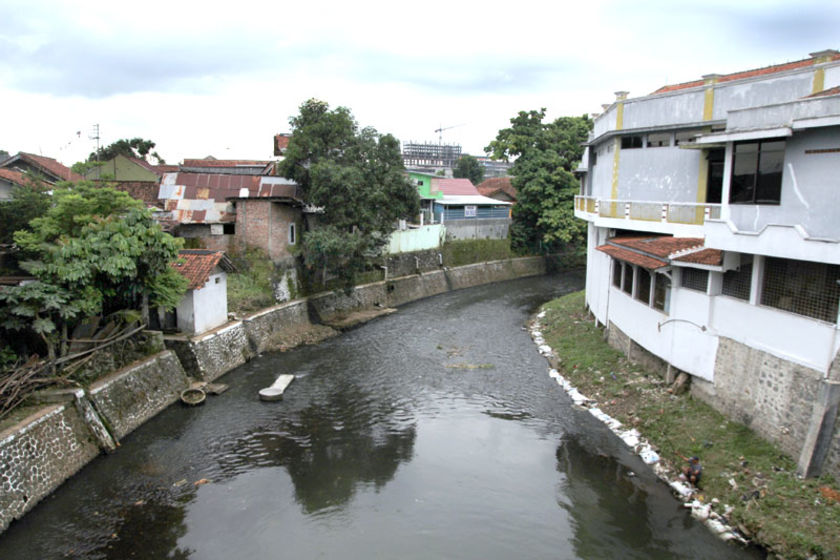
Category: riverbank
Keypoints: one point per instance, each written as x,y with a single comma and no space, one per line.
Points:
749,483
41,447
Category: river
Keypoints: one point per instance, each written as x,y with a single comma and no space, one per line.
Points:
434,432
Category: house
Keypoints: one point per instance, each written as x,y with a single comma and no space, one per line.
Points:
44,168
466,213
226,211
498,188
204,305
8,180
132,175
713,243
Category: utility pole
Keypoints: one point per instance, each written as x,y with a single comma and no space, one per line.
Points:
96,137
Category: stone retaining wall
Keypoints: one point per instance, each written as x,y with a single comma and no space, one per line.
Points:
44,449
127,398
38,454
776,398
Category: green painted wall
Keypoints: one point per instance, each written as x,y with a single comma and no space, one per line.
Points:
423,182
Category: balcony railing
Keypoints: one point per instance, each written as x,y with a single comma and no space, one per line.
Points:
690,213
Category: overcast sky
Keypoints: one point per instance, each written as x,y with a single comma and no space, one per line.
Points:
221,78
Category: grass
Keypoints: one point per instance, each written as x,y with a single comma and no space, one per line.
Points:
250,288
469,251
792,517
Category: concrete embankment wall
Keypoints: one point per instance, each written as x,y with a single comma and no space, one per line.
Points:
786,403
42,450
54,442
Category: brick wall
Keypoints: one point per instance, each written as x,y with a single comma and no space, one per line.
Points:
265,224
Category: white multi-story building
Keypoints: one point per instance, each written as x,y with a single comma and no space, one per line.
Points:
713,212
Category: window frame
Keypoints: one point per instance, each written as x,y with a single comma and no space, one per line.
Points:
755,193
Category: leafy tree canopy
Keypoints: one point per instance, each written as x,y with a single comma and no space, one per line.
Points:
27,202
357,177
468,167
95,250
544,154
136,147
4,155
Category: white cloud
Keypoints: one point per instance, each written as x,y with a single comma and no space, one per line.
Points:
221,78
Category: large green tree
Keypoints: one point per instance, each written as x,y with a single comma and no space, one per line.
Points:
544,155
468,167
135,147
356,178
95,250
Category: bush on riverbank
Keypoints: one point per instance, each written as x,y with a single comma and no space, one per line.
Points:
469,251
792,517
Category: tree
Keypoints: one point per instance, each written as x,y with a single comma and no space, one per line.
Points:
95,250
136,148
357,178
468,167
545,155
28,201
4,155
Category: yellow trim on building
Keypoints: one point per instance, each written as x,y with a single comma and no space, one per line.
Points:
702,187
819,80
709,103
619,118
616,161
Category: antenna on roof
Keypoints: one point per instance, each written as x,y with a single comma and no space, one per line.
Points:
96,137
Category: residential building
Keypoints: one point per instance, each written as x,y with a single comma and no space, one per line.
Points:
44,168
8,180
498,188
713,243
204,306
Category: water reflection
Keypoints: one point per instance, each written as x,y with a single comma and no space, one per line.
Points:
329,448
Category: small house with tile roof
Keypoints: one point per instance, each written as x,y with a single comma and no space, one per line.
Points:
47,169
467,214
8,180
714,245
204,305
498,188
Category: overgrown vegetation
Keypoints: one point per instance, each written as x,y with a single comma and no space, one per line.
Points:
251,288
469,251
794,518
93,252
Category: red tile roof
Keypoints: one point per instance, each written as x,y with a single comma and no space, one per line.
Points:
633,257
45,165
711,257
659,246
454,187
829,91
488,187
12,176
655,252
197,265
748,73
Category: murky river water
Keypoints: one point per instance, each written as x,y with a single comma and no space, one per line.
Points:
432,433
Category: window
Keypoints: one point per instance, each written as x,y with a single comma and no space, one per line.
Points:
802,287
631,142
643,286
229,229
659,140
757,172
714,181
661,292
695,279
292,234
736,283
627,286
617,266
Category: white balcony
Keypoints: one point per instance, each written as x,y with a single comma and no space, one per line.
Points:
677,218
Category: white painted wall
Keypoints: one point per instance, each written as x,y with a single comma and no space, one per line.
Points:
789,336
204,309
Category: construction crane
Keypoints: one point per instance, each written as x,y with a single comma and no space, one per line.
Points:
442,128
